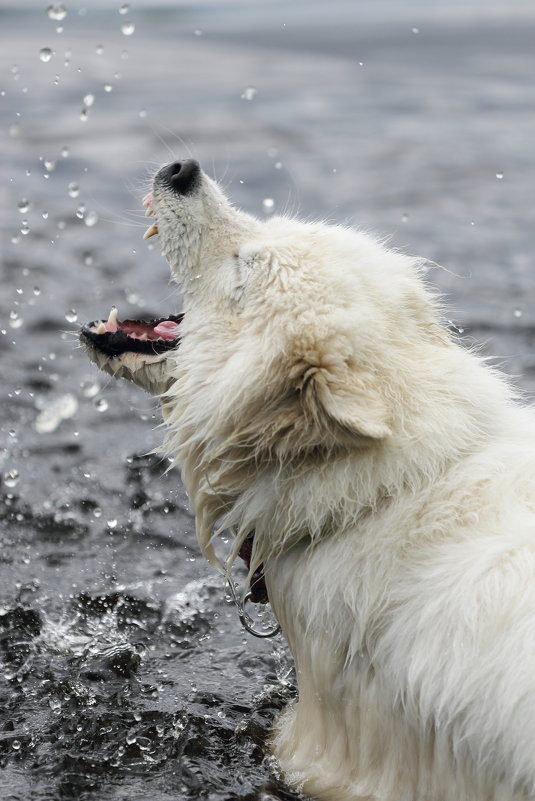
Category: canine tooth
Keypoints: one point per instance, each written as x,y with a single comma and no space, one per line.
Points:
143,336
101,329
150,232
149,212
112,319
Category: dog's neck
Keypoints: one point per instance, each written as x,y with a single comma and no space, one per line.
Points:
286,502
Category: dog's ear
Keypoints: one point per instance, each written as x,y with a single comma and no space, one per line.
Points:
343,402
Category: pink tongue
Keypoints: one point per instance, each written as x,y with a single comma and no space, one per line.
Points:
167,330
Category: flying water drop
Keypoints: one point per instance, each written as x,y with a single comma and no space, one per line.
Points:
56,11
249,93
11,478
91,219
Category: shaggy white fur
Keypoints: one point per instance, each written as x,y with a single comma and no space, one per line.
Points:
389,477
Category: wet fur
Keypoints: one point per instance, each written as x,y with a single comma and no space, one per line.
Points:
389,476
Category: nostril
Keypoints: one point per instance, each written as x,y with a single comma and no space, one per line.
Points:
181,176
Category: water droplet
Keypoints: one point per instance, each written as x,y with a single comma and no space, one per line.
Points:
101,404
25,228
108,87
44,215
124,9
404,218
416,30
56,11
361,63
499,176
65,152
59,29
36,291
11,478
91,218
278,165
249,93
71,316
83,115
111,524
15,320
50,164
197,32
142,113
90,388
97,511
268,204
89,99
80,211
73,189
99,50
23,205
128,28
16,745
54,411
518,312
45,54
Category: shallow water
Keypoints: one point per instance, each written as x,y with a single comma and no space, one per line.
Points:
124,672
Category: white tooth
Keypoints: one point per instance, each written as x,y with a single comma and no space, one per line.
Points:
112,319
149,212
150,232
101,329
144,336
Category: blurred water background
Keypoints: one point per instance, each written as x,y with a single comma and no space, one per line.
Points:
124,673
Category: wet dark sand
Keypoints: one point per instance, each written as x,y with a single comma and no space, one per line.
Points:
124,673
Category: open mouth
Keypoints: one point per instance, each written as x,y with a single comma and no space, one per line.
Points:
114,337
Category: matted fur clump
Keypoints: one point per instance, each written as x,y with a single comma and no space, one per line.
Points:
389,478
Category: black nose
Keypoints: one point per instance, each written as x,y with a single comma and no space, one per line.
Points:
181,176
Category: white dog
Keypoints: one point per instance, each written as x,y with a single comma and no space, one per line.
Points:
388,476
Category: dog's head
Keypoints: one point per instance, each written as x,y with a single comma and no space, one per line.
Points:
295,345
296,322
